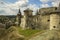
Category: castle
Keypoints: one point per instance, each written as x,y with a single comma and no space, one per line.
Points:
45,18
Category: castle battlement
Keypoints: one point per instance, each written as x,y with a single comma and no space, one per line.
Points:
45,18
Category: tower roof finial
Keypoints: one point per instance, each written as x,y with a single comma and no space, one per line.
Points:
19,10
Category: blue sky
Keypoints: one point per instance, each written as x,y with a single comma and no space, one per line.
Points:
10,7
37,2
10,1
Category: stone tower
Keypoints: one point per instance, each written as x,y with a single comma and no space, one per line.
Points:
18,19
55,19
28,12
27,15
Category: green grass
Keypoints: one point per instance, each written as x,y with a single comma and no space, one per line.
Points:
27,32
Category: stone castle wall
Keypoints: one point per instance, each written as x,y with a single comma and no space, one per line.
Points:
54,21
43,20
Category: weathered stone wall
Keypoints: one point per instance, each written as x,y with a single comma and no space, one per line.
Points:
54,21
30,22
45,17
59,21
27,19
23,23
35,22
45,21
47,10
18,20
40,21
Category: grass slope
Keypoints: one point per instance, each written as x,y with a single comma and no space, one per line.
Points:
27,32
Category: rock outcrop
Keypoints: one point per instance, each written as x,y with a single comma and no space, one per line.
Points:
10,34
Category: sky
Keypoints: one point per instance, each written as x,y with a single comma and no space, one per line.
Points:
11,7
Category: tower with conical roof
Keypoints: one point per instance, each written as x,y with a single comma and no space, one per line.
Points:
18,19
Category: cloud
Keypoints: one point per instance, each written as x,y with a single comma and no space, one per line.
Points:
55,4
11,8
17,4
24,0
7,11
44,1
44,5
33,7
55,0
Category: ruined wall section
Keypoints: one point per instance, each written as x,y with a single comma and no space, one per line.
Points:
54,21
44,11
40,21
45,21
23,23
59,20
45,17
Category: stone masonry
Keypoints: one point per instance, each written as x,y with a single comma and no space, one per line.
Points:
45,18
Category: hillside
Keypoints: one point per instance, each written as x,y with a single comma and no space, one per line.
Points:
15,33
10,34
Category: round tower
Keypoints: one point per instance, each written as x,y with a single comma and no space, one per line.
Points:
55,19
27,14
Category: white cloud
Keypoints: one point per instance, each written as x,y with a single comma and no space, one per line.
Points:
7,11
10,8
44,1
33,7
44,5
24,0
30,6
17,4
55,0
55,4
